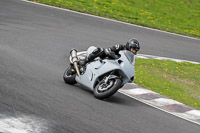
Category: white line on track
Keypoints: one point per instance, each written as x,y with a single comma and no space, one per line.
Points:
144,56
22,124
194,112
189,115
138,91
164,101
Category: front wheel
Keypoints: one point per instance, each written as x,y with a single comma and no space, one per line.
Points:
104,90
68,77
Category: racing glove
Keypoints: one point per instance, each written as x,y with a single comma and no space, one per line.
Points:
110,53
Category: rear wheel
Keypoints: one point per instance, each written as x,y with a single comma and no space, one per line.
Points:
68,77
104,90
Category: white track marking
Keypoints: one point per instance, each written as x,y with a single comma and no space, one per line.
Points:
194,113
138,91
163,102
141,57
164,58
189,116
22,124
112,20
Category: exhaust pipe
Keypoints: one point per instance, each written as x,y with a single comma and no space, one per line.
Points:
73,54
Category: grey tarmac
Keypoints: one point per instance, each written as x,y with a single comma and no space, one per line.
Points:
34,47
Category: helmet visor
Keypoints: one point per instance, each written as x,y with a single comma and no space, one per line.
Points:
134,51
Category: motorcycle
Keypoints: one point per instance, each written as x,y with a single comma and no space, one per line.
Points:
103,76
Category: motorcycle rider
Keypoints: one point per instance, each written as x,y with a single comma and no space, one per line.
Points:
111,52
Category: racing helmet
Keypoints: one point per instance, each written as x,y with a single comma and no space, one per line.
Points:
134,44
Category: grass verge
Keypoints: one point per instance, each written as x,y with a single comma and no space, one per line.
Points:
178,81
178,16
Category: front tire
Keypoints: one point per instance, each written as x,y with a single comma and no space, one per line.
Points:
102,90
68,78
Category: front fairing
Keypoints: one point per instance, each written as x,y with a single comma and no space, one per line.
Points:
127,64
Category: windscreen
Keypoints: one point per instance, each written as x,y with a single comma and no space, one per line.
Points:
130,56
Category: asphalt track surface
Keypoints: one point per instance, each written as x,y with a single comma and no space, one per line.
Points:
34,49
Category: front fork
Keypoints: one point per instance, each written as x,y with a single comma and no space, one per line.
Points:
110,76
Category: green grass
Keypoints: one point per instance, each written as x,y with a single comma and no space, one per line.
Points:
179,81
178,16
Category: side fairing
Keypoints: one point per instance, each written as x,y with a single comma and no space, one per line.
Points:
96,69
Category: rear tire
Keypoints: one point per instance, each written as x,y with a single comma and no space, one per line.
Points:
102,90
69,79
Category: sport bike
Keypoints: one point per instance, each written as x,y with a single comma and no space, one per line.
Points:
103,76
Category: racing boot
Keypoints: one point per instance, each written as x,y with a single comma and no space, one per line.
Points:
83,62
